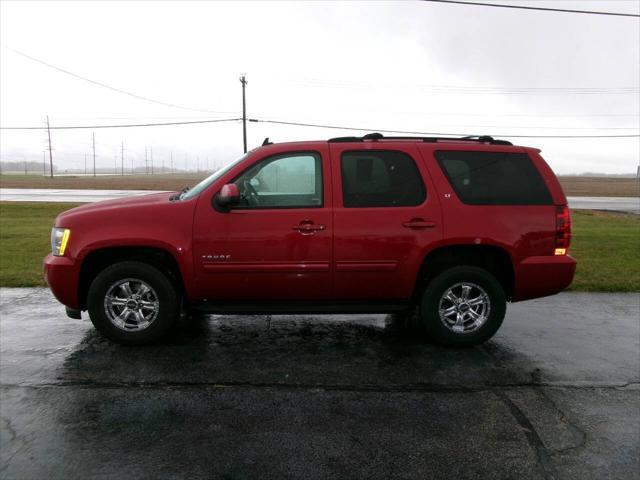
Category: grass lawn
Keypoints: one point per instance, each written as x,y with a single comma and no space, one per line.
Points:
25,232
607,248
164,181
606,245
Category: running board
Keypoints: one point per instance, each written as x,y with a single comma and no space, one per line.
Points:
297,308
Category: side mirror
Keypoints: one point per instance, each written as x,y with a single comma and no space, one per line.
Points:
228,196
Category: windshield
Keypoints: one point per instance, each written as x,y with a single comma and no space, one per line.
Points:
195,191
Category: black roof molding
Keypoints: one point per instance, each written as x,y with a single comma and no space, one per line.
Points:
378,136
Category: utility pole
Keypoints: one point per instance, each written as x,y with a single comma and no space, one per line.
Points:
122,158
151,155
50,154
243,81
94,153
146,162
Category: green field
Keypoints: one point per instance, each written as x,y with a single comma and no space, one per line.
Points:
25,230
606,245
607,248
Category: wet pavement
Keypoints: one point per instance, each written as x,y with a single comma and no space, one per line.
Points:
66,195
618,204
556,394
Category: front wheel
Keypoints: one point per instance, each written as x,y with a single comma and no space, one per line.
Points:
132,303
462,306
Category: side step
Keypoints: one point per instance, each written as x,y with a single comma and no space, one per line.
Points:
297,308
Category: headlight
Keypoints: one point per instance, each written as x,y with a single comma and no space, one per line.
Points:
59,240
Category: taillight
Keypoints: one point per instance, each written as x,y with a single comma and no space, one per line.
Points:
563,230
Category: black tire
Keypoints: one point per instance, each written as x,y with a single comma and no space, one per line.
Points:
429,319
167,298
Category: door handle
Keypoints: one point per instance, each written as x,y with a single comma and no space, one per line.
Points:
307,227
418,224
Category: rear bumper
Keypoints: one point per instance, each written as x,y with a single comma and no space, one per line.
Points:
541,276
61,274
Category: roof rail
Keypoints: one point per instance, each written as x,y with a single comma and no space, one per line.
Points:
378,136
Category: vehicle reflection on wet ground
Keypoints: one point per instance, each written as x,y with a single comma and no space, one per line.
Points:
553,395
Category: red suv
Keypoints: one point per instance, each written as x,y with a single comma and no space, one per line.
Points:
442,231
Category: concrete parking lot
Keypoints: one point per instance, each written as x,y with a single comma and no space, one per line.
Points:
556,394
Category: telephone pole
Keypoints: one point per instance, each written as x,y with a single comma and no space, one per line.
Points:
50,154
151,155
94,153
146,162
243,81
122,158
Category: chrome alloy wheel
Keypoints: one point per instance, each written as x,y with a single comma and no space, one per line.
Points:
131,304
464,307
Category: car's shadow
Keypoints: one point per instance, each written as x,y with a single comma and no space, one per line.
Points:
329,351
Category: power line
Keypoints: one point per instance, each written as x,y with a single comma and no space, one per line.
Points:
109,87
72,127
316,125
544,9
339,127
471,90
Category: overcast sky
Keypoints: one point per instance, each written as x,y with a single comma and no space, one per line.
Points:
417,66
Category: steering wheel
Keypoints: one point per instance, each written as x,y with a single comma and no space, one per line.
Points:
250,193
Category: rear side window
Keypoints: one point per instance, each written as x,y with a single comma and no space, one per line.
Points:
494,178
380,179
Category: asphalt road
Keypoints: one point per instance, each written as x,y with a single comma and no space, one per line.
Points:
556,394
622,204
65,195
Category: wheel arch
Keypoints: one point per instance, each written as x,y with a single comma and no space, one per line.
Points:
97,260
496,260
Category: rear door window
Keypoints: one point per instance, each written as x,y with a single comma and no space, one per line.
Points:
382,178
494,178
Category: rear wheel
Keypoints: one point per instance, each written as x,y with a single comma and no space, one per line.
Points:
462,306
132,303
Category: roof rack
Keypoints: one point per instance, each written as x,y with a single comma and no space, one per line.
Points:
378,136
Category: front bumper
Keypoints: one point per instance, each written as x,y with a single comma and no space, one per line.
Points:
542,276
61,274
